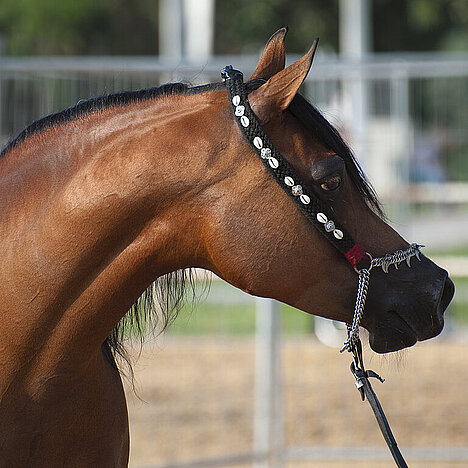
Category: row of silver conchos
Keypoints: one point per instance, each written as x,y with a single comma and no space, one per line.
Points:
265,153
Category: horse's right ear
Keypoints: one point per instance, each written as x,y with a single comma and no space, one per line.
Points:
273,57
277,93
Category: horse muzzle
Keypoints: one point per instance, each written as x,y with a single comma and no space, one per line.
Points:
407,305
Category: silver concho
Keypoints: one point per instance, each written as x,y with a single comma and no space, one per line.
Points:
296,190
338,234
289,181
265,153
239,110
304,199
236,100
322,218
244,121
258,143
329,226
273,162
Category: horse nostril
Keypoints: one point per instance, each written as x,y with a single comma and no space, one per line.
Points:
445,297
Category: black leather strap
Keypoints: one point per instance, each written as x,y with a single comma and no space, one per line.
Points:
312,207
365,389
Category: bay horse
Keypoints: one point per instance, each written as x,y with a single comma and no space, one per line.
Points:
103,199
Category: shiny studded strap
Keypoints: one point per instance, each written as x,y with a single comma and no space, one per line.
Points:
317,212
321,217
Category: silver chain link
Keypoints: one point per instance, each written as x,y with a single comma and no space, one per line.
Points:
363,283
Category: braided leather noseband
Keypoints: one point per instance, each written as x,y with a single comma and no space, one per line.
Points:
322,218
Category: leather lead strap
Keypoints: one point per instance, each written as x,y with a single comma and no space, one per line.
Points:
365,389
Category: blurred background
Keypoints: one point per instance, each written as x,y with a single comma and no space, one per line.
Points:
238,381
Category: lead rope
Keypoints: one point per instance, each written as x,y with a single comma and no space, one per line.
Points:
365,389
354,346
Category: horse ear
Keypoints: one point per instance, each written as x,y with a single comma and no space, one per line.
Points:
278,92
273,57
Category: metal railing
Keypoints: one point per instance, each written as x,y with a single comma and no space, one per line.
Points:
404,96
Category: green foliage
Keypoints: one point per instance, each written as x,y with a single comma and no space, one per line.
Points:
38,27
241,19
79,27
420,25
234,319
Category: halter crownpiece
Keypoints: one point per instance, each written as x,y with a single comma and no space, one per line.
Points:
317,212
310,205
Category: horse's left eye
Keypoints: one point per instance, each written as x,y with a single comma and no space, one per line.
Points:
331,184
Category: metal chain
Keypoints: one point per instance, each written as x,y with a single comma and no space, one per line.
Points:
353,329
397,257
363,283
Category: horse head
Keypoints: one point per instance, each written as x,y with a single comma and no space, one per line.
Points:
264,245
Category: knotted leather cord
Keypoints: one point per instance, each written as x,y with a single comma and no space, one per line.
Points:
321,216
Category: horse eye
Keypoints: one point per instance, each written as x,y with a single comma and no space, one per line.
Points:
331,184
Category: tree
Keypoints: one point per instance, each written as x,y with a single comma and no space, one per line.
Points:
420,25
71,27
245,25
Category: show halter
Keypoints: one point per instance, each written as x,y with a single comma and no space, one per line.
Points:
323,219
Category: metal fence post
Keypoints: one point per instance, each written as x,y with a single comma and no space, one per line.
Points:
170,29
268,418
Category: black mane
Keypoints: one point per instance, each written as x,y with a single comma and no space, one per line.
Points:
159,304
95,104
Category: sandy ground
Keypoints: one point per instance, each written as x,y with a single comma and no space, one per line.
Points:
195,400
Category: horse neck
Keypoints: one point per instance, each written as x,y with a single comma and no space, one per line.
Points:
106,204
